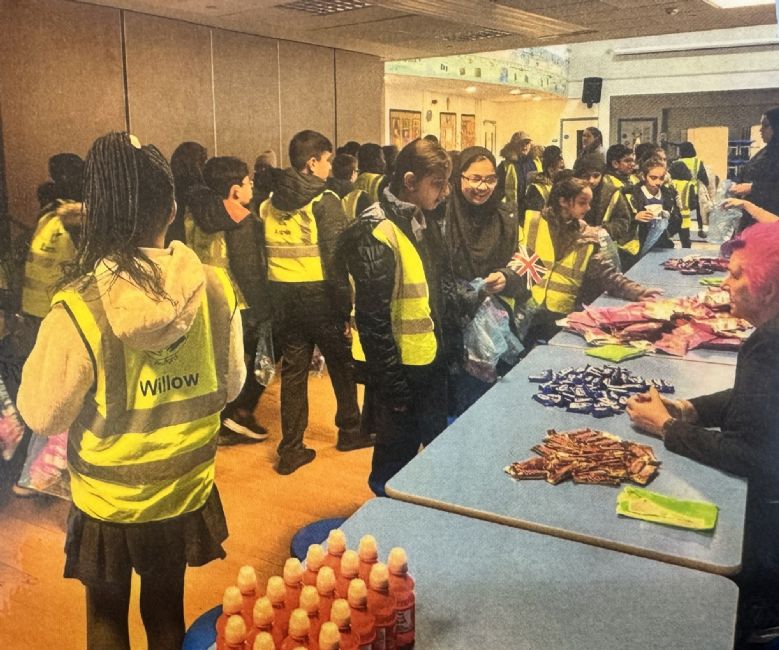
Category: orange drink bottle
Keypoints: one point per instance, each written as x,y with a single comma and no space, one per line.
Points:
350,568
401,587
315,558
363,622
341,615
382,605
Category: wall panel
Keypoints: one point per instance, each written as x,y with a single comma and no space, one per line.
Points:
169,82
60,87
359,82
246,84
307,91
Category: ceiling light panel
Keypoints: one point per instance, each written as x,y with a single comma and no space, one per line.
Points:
324,7
485,14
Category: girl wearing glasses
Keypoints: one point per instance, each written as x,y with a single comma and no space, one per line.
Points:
482,235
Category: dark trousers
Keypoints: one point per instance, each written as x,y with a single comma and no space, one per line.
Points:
399,434
162,612
251,392
298,331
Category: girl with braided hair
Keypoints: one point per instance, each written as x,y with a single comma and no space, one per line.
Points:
140,352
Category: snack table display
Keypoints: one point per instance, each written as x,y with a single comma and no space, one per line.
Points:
462,470
649,270
481,585
567,339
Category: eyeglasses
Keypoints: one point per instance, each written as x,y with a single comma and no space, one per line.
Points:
476,181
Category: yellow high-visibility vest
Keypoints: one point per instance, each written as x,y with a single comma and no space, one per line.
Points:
412,324
619,183
610,207
684,189
369,183
694,165
292,242
543,189
142,447
211,249
511,187
538,165
51,247
559,288
350,201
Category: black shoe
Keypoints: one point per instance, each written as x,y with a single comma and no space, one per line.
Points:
701,234
295,459
237,429
352,441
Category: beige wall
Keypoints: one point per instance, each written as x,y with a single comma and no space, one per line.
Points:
62,84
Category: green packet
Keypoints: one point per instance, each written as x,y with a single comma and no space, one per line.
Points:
711,282
661,509
615,353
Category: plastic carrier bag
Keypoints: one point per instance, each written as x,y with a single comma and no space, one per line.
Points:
264,360
722,221
488,339
609,249
656,229
46,468
11,425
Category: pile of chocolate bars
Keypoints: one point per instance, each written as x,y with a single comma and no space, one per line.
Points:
598,391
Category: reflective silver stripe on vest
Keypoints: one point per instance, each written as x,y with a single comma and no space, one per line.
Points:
532,231
166,469
162,415
293,251
415,290
416,326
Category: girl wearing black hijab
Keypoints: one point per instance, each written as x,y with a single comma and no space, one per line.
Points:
759,178
482,234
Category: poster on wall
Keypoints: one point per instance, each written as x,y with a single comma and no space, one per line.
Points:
467,131
448,131
635,130
405,126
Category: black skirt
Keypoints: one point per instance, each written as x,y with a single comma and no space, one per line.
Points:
99,552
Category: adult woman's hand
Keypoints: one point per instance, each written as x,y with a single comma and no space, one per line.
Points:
741,189
648,412
495,282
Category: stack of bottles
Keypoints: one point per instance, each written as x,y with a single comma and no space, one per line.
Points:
341,600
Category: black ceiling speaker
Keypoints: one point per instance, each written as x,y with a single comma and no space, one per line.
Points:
591,90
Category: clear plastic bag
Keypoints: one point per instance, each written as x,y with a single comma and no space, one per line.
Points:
264,360
317,368
722,220
46,469
11,425
488,339
656,229
608,248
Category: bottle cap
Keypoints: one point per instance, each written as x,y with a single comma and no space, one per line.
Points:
340,614
367,549
276,591
235,630
350,564
293,572
262,614
298,623
358,593
232,602
336,542
329,636
315,557
397,563
247,580
264,641
325,581
309,599
379,577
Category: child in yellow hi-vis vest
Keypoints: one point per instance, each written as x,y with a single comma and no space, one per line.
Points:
137,357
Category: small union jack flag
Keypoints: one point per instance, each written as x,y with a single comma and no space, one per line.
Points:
523,263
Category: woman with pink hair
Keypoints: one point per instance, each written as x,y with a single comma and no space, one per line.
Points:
737,430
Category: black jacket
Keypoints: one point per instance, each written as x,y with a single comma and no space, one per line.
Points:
245,241
637,202
293,191
747,442
372,267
